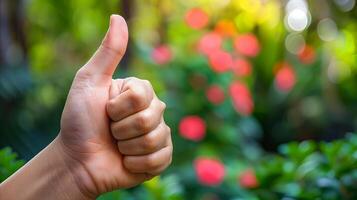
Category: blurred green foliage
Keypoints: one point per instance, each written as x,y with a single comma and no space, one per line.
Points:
306,170
310,170
9,163
158,188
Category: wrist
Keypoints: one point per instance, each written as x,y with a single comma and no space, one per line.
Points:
46,176
78,178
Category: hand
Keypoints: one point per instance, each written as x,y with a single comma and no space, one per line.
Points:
112,131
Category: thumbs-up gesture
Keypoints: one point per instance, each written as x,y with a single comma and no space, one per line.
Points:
113,134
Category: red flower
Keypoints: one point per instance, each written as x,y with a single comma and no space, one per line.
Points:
209,171
242,99
220,61
161,55
307,55
247,179
242,67
196,18
215,94
192,128
209,43
285,78
247,45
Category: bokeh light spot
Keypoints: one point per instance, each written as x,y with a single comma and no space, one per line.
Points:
196,18
209,43
296,4
220,61
215,94
247,45
225,28
241,97
161,55
307,55
285,78
327,30
294,43
209,171
346,5
242,67
192,127
247,179
297,20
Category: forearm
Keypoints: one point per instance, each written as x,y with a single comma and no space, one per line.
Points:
44,177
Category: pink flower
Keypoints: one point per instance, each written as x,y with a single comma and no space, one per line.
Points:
192,128
220,61
285,78
196,18
242,99
215,94
209,171
307,55
242,67
161,55
247,45
247,179
209,43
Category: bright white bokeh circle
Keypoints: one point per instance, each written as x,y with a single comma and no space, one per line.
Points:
297,20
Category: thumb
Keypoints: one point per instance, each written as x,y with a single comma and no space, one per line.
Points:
112,49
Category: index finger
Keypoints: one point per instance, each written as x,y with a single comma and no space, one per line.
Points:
136,96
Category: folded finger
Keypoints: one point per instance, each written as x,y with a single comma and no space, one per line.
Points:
146,144
139,123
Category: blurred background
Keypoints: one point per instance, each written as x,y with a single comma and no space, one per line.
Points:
261,94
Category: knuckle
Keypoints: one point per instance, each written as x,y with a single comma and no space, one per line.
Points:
160,167
136,93
147,84
137,97
144,121
167,129
162,105
150,162
150,142
147,87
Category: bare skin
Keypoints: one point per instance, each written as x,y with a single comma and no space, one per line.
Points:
112,136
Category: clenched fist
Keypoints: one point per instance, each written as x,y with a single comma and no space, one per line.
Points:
112,135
